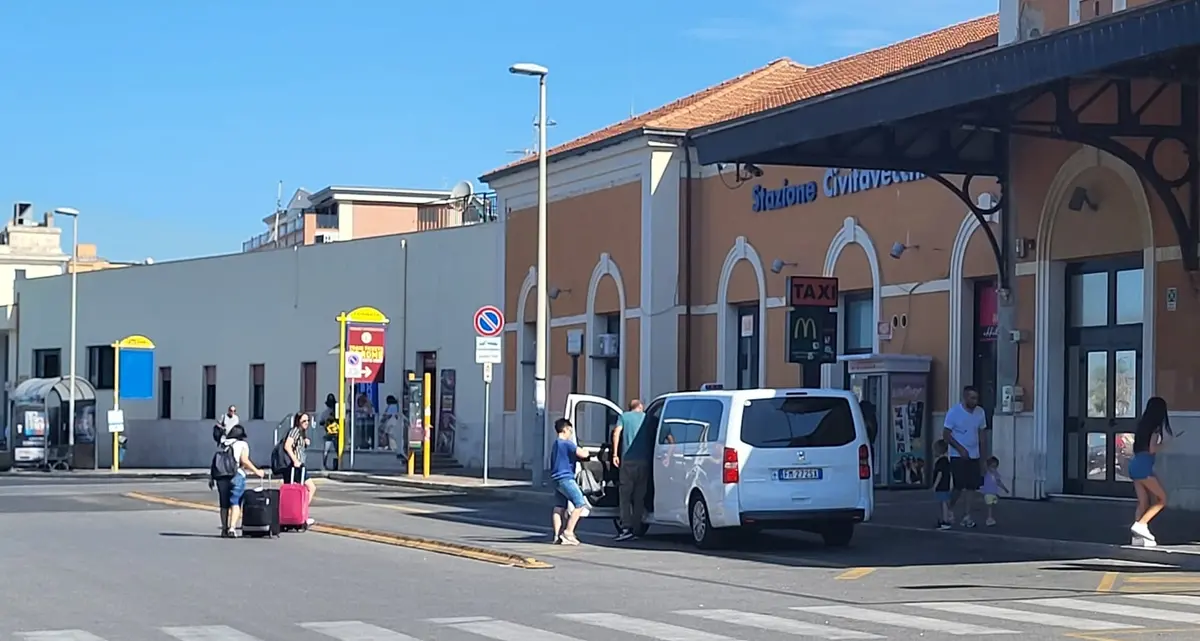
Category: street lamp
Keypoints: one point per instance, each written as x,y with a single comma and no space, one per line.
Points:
74,214
543,302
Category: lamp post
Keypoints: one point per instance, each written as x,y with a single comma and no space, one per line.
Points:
74,214
543,301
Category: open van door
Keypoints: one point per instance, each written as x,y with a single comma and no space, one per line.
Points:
593,418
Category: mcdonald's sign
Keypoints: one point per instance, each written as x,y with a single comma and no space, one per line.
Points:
812,335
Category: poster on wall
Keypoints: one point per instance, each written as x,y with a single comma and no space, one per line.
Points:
85,425
447,421
909,434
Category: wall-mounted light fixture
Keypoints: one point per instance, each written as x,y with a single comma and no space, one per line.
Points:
555,292
898,249
778,264
1080,199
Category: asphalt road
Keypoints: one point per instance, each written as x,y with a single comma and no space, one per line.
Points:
85,563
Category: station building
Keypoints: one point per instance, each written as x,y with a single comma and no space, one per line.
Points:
257,330
993,215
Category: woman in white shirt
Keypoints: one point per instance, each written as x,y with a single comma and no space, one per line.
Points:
236,441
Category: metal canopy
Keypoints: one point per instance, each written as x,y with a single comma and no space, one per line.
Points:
37,391
955,117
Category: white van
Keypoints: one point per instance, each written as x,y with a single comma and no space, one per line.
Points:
745,460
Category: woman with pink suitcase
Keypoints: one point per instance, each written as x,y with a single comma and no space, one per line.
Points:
296,492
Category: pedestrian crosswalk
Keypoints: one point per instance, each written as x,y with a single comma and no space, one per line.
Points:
931,619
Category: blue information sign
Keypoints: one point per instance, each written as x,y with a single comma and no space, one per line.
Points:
137,374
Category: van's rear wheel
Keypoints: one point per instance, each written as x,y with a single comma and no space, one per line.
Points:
837,534
703,534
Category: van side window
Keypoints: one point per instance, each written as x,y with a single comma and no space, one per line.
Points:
799,421
707,413
675,423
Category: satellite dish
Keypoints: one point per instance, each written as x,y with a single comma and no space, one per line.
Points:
463,190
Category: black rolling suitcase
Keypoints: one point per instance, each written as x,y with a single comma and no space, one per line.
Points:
260,512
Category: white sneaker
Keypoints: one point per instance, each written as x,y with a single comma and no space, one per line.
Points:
968,522
1142,530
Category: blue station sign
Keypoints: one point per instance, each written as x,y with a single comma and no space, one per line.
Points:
835,183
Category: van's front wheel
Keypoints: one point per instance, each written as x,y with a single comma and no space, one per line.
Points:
837,534
703,534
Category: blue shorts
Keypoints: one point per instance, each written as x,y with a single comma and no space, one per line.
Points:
237,487
943,497
1141,466
567,493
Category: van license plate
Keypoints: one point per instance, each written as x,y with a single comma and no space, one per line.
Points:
800,474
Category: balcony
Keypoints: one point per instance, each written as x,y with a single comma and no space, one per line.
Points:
479,208
266,240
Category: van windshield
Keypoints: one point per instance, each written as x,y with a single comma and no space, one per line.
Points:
797,422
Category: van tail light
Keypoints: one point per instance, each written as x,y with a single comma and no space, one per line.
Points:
730,473
864,462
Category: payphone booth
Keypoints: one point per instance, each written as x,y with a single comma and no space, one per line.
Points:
39,426
894,389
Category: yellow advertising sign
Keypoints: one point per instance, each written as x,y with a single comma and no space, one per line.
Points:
136,341
366,315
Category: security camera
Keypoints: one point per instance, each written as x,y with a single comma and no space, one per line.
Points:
897,250
753,170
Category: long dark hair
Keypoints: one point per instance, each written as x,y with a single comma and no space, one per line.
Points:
1154,419
236,433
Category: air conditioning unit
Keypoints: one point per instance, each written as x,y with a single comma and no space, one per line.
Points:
324,238
607,346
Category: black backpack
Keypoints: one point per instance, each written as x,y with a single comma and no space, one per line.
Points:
224,464
280,461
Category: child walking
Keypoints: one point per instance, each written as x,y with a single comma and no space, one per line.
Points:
992,486
941,483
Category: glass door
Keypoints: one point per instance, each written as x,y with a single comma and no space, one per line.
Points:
1104,374
747,347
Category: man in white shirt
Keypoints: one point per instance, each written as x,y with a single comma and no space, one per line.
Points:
963,431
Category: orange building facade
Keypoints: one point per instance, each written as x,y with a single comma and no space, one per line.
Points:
666,273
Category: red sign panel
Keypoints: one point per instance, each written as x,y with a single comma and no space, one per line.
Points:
368,341
812,291
986,317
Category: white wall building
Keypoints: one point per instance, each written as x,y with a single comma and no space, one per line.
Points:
256,330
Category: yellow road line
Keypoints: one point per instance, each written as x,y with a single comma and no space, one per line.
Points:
1107,581
417,543
854,573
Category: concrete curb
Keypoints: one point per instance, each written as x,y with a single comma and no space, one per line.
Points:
1061,547
505,493
449,548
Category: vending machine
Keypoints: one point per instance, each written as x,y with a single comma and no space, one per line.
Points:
893,390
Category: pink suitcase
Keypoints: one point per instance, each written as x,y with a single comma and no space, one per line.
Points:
293,506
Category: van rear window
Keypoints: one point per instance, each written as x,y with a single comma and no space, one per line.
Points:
802,421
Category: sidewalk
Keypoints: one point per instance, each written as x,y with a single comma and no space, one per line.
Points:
105,473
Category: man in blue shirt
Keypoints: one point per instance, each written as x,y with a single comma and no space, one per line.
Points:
633,451
569,502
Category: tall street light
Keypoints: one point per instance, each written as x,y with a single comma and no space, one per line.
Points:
74,214
543,301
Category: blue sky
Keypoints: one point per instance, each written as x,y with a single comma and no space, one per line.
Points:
169,124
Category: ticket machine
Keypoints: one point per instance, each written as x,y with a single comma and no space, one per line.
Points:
894,390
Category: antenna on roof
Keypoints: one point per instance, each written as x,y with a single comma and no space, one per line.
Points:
549,123
278,207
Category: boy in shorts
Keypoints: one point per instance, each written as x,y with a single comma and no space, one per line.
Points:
569,503
941,483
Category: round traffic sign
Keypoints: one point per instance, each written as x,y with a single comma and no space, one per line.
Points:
489,321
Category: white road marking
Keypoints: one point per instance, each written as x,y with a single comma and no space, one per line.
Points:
1025,616
1174,599
778,624
208,633
453,620
644,627
506,631
1119,609
59,635
355,631
902,620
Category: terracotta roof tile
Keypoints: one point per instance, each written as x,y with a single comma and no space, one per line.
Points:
783,82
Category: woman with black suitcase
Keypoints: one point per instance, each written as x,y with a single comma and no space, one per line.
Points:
231,491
